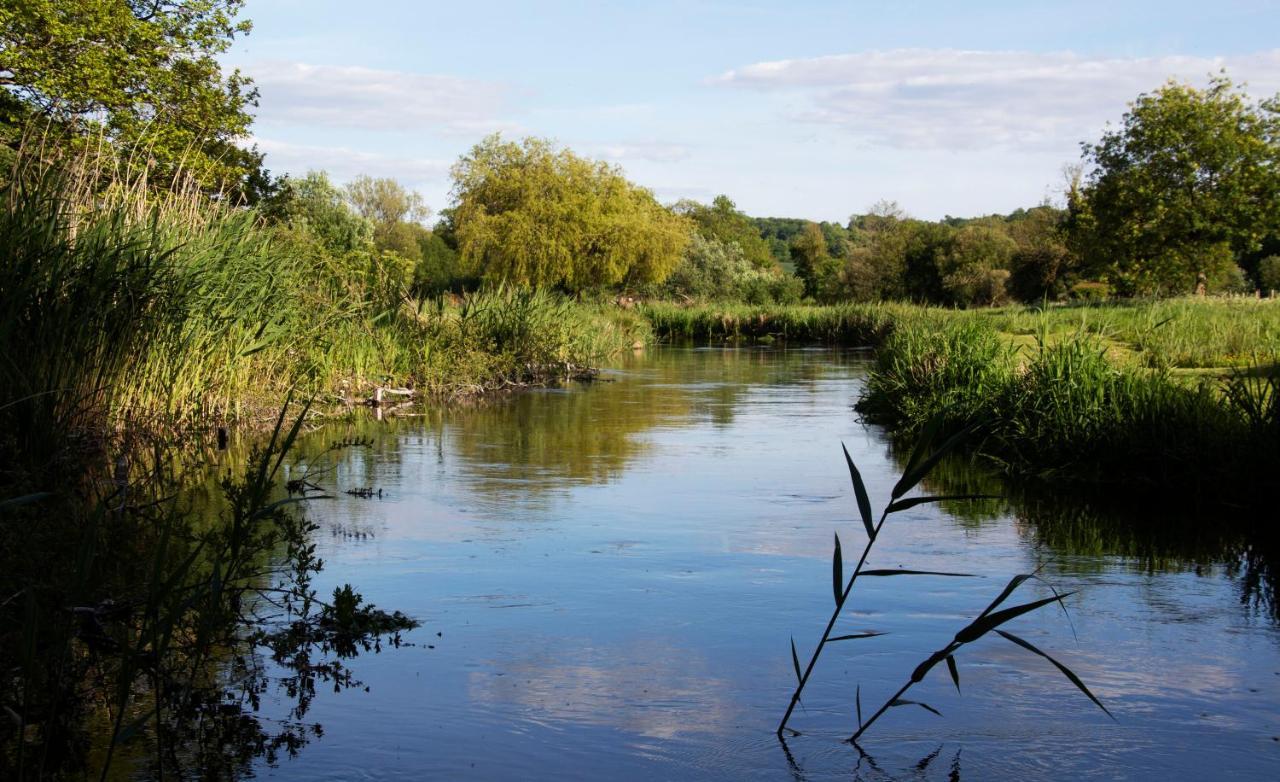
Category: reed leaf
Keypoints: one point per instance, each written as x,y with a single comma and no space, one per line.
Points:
856,636
860,491
953,670
1067,672
912,502
905,572
837,572
795,661
985,624
904,702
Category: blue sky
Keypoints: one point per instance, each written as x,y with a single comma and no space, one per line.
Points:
799,109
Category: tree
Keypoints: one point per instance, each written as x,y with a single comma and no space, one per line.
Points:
385,201
814,263
533,215
723,222
976,265
143,73
1187,183
1042,262
877,260
315,204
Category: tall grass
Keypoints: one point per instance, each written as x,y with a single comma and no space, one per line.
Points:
1063,411
850,324
1186,333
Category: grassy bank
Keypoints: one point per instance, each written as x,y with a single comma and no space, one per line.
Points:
131,312
1152,396
1067,412
1186,334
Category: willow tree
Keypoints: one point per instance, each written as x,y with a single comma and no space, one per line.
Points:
530,214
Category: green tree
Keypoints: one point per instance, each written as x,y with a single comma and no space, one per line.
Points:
140,72
1188,183
723,222
814,264
530,214
313,202
385,201
976,265
877,258
1042,263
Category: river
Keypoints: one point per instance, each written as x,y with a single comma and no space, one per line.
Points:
609,575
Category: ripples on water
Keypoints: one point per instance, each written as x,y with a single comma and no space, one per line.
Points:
608,577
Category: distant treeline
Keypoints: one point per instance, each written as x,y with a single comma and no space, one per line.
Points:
1181,196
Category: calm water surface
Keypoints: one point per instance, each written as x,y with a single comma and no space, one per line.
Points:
608,577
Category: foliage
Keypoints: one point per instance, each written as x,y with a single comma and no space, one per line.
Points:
144,73
722,222
1269,273
531,215
975,266
712,270
1064,411
814,263
1184,187
924,457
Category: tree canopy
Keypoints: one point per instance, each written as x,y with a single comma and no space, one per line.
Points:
1183,189
722,222
530,214
141,72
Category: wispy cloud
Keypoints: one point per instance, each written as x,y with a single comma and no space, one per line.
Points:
651,151
344,163
955,99
373,99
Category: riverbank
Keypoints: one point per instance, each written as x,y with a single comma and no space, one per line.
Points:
1176,398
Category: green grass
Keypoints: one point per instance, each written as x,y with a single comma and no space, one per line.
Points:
1066,412
1186,334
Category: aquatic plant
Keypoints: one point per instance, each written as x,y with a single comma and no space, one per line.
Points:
137,623
922,460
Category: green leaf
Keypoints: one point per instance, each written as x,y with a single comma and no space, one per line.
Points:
860,490
795,660
903,572
985,624
837,573
901,505
955,672
856,636
923,441
1065,670
917,472
1013,584
905,702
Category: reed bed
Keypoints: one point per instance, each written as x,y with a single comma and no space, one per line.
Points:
1064,412
1185,333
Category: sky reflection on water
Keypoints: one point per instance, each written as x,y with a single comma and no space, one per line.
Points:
614,572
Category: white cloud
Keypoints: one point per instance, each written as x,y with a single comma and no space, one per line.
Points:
953,99
373,99
651,151
344,163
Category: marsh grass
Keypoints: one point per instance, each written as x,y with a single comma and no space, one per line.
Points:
1063,411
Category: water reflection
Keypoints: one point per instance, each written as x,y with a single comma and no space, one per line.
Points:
616,569
1096,531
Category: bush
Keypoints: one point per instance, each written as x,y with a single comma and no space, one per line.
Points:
1090,291
1269,274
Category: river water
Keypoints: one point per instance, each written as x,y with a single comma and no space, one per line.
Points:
609,575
